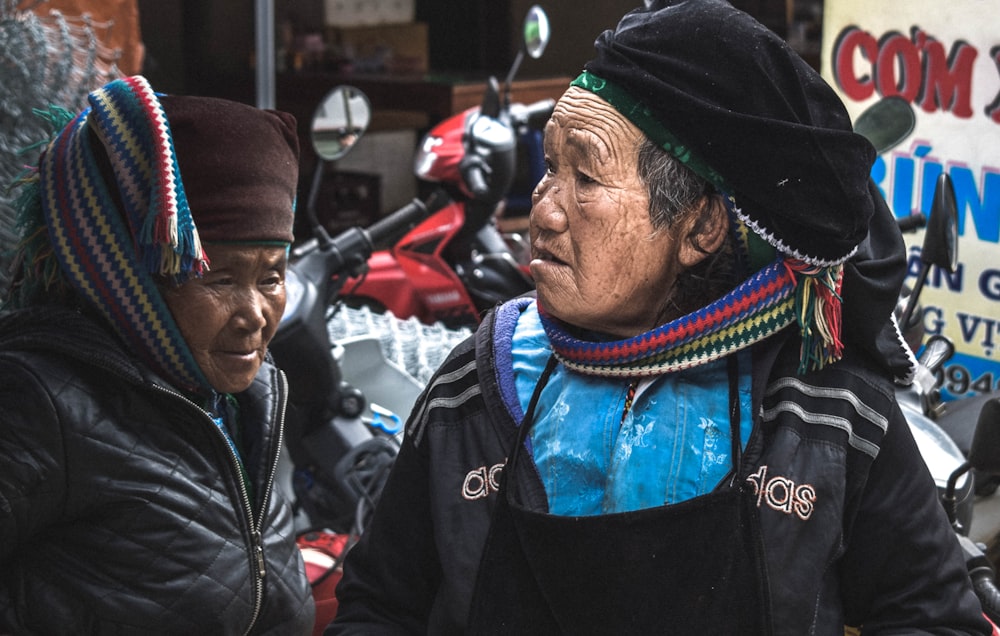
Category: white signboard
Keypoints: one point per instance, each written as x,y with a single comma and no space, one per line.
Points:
943,58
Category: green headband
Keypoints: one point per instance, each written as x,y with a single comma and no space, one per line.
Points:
759,251
637,113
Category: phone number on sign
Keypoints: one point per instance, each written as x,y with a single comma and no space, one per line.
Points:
964,376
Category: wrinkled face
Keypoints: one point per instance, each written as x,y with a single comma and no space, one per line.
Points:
596,259
229,316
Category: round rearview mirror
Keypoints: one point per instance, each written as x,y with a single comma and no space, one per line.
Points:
536,31
886,122
339,121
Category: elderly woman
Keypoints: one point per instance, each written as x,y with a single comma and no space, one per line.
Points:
140,416
692,428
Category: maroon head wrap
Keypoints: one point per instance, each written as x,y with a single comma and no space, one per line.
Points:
239,165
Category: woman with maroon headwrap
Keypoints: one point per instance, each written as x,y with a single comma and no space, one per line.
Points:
141,417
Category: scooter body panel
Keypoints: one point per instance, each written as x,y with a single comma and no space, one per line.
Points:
387,286
414,279
441,151
940,453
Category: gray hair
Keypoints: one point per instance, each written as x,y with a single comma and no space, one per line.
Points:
674,190
673,187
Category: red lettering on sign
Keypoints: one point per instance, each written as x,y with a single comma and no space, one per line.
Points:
897,67
853,40
916,68
948,82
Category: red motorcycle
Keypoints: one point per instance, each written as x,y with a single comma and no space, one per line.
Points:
455,265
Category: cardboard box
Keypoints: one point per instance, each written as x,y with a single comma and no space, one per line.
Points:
347,199
389,156
385,48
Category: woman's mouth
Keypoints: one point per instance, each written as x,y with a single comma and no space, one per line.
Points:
546,267
238,355
542,254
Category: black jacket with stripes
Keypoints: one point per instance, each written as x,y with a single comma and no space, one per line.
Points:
852,532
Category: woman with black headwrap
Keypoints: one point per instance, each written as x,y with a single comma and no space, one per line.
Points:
140,416
692,428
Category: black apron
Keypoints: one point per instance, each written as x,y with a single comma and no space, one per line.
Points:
690,568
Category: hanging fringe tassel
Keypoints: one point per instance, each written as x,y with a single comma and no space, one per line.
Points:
35,269
818,312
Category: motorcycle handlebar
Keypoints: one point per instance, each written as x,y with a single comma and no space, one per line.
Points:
347,252
983,577
389,228
475,180
989,595
533,115
912,222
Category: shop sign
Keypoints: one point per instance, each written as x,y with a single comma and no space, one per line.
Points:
944,59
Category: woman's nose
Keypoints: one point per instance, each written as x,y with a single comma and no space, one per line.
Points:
547,211
249,313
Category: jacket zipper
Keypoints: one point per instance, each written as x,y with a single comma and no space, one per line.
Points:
257,547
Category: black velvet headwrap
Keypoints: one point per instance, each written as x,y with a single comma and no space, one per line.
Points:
734,103
738,99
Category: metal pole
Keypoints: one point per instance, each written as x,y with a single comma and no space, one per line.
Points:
264,26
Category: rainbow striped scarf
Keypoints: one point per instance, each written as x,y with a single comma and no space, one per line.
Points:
110,257
784,292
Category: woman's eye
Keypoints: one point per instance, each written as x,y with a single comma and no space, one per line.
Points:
584,178
272,280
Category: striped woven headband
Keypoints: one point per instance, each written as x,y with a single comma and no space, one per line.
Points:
110,259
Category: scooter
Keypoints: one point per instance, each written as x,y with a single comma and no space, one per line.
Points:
958,440
339,439
921,401
954,471
885,124
347,402
456,265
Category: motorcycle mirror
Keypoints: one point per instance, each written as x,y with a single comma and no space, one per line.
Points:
886,122
940,245
536,32
984,454
339,121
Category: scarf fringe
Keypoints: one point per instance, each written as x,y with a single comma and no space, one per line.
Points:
35,269
818,312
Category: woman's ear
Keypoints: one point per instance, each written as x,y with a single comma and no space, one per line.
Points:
704,231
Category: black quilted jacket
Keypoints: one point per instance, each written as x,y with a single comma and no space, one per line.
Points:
121,506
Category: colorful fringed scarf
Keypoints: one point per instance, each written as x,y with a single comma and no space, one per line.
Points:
784,292
111,259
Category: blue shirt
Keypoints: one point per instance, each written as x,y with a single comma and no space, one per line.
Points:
674,442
